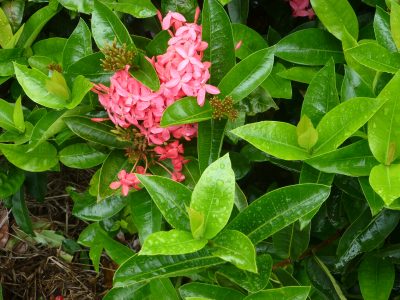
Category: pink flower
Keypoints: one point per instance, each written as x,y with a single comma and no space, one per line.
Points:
173,19
301,8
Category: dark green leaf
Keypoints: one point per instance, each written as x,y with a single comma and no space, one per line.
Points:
196,289
137,8
291,241
90,67
11,180
287,293
81,156
20,212
353,85
375,202
145,73
185,7
251,40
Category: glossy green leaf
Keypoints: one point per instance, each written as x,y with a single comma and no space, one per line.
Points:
42,158
287,293
18,116
51,48
299,74
7,116
91,131
145,214
395,22
278,209
127,292
5,29
197,289
291,241
171,198
353,160
366,234
7,57
236,248
137,8
382,30
322,279
353,85
145,73
81,156
36,23
114,163
247,75
171,242
238,10
140,268
343,121
384,126
277,86
309,47
185,7
85,6
159,44
107,27
251,40
20,212
80,88
186,111
192,172
217,32
375,272
251,282
375,202
213,196
376,57
90,67
78,45
95,237
321,95
33,83
276,138
87,208
337,16
11,180
385,180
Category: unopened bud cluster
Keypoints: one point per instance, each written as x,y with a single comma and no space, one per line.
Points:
223,108
117,57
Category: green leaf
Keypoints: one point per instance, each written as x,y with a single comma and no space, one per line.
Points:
291,241
376,57
90,67
171,242
366,234
145,73
114,163
171,198
307,136
20,212
353,85
145,214
81,156
137,8
87,208
7,116
384,126
213,196
375,272
7,57
395,22
107,27
309,47
352,160
57,85
252,41
382,30
278,209
238,10
337,16
343,121
236,248
5,29
185,7
374,201
80,88
249,281
78,45
277,86
162,288
35,24
84,6
18,116
186,111
299,74
51,48
42,158
140,268
247,75
322,279
197,289
91,131
385,180
217,32
287,293
11,180
276,138
321,95
14,11
159,44
33,82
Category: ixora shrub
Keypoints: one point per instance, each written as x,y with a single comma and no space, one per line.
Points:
228,197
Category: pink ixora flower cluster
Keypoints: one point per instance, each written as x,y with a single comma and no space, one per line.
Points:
130,103
301,8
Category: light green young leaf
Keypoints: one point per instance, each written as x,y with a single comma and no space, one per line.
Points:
5,29
385,180
307,135
18,116
395,22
